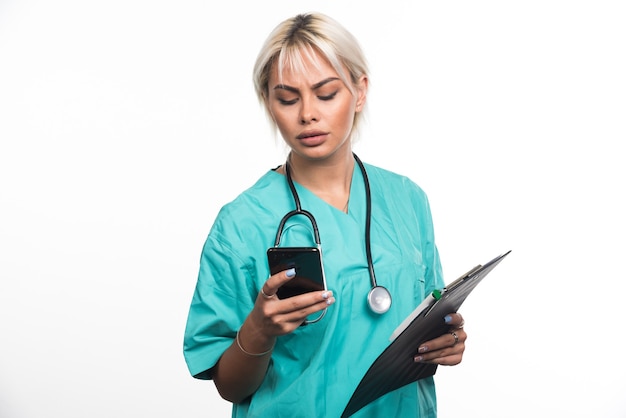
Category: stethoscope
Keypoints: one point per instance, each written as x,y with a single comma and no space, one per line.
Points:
378,298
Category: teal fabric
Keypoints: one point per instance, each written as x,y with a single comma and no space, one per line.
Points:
314,370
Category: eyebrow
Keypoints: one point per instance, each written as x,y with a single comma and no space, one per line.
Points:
314,86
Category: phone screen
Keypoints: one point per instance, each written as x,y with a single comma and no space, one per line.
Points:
308,264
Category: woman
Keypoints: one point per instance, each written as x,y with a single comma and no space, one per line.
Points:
312,79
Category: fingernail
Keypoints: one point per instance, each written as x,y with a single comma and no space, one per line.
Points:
422,349
325,295
291,272
417,359
448,319
330,301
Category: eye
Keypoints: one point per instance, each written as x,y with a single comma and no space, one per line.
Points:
286,102
328,96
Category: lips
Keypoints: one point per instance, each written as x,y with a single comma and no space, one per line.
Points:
311,134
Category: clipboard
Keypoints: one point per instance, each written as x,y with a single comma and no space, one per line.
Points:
394,367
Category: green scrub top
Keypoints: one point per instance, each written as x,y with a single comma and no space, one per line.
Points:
314,370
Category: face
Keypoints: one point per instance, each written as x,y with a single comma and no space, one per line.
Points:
314,110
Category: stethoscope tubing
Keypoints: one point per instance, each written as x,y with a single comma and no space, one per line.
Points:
377,307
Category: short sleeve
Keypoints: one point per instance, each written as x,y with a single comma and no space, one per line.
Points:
220,303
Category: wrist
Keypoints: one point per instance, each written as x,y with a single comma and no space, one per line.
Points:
254,343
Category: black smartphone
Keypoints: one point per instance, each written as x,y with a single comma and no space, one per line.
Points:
309,269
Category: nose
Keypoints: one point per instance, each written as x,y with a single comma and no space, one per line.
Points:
308,111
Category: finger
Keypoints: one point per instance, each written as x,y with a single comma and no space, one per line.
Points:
312,313
265,295
449,339
455,320
290,313
271,285
295,308
450,354
449,359
456,338
306,303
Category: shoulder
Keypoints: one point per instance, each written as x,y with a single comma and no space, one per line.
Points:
252,209
391,182
398,196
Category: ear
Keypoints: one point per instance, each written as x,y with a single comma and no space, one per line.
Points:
361,92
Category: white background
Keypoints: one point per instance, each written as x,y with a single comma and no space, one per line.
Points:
125,125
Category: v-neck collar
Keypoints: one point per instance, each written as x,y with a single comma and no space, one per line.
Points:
315,204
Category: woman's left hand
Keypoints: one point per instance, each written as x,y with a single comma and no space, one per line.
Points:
446,349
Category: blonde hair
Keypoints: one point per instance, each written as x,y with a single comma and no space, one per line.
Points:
301,36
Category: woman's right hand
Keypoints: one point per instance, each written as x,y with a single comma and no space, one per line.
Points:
273,316
241,369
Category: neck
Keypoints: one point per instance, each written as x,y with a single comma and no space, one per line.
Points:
330,179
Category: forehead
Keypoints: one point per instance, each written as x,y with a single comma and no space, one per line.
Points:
301,67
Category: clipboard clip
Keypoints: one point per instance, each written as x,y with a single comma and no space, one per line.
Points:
455,283
463,277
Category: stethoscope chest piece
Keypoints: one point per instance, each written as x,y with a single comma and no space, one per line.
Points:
379,299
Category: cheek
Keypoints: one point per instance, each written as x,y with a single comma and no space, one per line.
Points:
280,116
343,113
282,121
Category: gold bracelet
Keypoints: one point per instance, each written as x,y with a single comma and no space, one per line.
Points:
247,352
